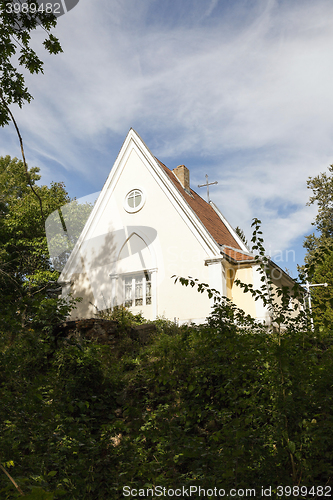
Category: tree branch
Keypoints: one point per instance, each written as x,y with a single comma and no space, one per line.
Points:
12,480
23,157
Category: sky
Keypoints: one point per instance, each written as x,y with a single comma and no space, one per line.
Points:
240,90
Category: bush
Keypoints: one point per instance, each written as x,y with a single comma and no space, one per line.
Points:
226,404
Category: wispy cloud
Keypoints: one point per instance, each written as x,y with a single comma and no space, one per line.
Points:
243,89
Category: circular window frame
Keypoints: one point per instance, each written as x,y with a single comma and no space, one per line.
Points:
133,210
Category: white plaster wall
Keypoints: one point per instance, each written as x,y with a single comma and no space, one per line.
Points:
173,248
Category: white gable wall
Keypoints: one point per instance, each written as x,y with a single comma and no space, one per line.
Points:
161,237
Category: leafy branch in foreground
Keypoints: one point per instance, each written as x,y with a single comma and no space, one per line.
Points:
199,405
16,27
284,303
224,310
276,415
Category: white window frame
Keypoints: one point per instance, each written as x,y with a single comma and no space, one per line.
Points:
133,210
146,278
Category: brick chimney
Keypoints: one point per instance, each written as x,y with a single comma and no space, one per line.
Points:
183,175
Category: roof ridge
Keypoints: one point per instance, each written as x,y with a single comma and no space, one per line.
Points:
207,215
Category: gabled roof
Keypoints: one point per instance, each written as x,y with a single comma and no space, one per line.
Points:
205,217
210,219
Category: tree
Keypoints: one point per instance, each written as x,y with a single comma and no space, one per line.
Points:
63,228
322,187
17,22
320,248
26,275
241,234
16,26
219,405
322,297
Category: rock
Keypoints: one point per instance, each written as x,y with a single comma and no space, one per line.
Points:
101,331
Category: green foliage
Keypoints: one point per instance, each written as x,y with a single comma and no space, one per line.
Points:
284,391
63,229
322,187
27,280
15,40
284,304
319,257
225,404
51,311
123,316
322,297
241,234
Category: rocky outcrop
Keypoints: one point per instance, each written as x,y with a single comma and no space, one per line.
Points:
102,331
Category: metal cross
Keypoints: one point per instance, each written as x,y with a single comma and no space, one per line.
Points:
207,184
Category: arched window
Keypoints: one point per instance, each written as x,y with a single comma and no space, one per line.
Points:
135,264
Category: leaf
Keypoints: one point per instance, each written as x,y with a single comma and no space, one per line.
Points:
39,494
291,446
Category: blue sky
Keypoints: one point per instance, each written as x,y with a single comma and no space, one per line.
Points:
239,90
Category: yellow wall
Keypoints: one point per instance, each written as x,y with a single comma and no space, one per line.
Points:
235,293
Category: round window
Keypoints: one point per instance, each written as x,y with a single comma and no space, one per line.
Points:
134,200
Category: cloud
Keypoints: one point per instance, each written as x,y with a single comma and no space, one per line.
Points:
265,84
213,4
242,88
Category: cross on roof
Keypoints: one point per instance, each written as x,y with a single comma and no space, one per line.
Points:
207,184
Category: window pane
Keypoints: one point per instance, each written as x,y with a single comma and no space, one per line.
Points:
131,201
134,198
148,290
138,291
128,292
137,199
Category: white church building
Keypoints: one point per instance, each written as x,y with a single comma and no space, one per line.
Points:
148,225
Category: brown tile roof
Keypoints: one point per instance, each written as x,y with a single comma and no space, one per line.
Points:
233,254
209,218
